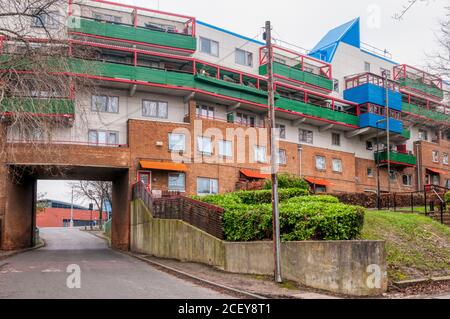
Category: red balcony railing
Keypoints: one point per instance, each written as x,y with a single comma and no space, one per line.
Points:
370,78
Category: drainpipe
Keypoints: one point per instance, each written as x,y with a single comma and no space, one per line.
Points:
419,168
300,148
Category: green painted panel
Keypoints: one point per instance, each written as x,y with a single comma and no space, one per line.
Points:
134,34
421,111
38,106
406,134
298,75
396,157
431,90
317,111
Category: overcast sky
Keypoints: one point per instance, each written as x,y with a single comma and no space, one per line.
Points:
304,23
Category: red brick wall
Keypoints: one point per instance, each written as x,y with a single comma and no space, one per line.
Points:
54,217
426,158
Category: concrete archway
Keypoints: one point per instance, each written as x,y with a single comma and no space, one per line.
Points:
18,223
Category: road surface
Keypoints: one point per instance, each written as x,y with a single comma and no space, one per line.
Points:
104,273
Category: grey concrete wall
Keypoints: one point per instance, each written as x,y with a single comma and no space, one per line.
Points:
355,268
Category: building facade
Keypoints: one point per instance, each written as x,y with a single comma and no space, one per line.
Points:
186,102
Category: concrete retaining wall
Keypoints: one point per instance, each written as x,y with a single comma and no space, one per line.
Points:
356,268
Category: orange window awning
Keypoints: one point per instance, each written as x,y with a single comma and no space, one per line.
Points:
320,182
254,174
164,166
436,171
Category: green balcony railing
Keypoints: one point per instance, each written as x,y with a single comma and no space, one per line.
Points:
430,114
298,75
50,106
400,158
406,134
419,86
317,111
126,32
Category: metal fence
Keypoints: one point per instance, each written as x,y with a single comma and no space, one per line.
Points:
206,217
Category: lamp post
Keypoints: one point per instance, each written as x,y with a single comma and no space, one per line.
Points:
71,211
378,166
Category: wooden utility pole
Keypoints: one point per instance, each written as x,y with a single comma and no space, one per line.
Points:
273,154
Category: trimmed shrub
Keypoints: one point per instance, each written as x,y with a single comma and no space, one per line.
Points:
298,222
447,198
288,181
225,200
310,199
247,223
320,221
265,196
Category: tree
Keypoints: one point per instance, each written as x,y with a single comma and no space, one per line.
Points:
36,78
97,192
440,60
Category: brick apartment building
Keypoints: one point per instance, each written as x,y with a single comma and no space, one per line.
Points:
182,106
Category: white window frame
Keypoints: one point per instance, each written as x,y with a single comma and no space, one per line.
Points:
282,159
203,148
206,111
226,148
177,146
213,186
108,137
107,105
409,180
423,135
318,167
301,136
248,57
435,155
335,168
260,154
159,104
371,174
445,159
176,189
281,131
367,66
42,20
393,175
338,136
201,49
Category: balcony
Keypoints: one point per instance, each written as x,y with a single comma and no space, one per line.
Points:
396,158
435,112
374,121
370,88
135,25
414,80
52,107
295,68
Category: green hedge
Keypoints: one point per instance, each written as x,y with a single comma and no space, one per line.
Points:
309,199
265,196
447,198
288,181
298,222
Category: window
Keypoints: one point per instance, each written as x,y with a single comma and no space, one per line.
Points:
209,47
103,137
369,172
385,72
445,158
436,180
205,111
305,136
435,157
321,163
407,180
177,142
369,146
207,186
106,17
281,130
48,20
204,145
337,165
225,148
336,139
155,109
176,182
259,153
105,104
281,157
423,135
392,175
244,57
367,66
245,119
319,189
336,85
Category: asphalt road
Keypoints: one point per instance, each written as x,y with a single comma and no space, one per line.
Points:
104,273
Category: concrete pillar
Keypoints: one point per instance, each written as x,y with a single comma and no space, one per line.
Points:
120,231
19,218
